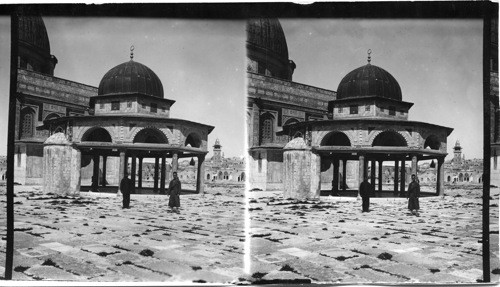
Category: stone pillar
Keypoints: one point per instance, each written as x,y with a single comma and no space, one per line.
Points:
440,177
121,172
61,166
344,174
414,165
380,179
175,162
200,175
403,178
302,171
335,186
372,173
133,172
95,173
396,178
361,170
155,178
104,169
162,174
139,185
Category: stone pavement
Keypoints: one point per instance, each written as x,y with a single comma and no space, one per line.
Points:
333,241
92,238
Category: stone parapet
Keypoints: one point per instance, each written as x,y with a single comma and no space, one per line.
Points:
45,86
289,92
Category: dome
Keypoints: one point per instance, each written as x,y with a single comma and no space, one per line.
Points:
32,32
34,48
267,34
267,50
369,80
131,78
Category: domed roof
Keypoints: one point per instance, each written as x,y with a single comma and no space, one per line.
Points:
369,80
131,77
32,32
267,34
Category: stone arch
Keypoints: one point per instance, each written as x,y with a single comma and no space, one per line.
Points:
460,177
266,128
242,176
291,121
193,139
226,175
52,116
96,134
335,138
432,142
220,175
208,176
389,138
27,120
150,135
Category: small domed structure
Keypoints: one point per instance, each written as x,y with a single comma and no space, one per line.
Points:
131,78
369,81
267,49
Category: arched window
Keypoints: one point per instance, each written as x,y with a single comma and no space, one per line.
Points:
242,176
27,122
336,139
150,135
97,134
208,176
226,175
266,128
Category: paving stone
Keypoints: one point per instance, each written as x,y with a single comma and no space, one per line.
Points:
51,273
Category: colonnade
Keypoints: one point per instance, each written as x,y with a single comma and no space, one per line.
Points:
399,173
161,174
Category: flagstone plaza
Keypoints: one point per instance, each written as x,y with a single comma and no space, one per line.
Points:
333,241
91,238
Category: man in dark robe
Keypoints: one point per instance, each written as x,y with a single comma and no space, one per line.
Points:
366,191
413,195
125,188
174,190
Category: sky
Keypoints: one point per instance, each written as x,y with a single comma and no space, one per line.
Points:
200,64
437,63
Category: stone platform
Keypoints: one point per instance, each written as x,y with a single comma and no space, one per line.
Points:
332,241
91,238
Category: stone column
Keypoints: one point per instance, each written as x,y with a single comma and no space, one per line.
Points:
302,171
175,162
121,172
440,177
200,175
344,174
335,187
162,174
380,180
95,173
133,172
414,165
61,166
396,178
372,173
361,170
139,179
403,178
157,167
104,169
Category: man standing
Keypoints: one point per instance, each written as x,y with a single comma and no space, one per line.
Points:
174,190
413,195
366,191
125,188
